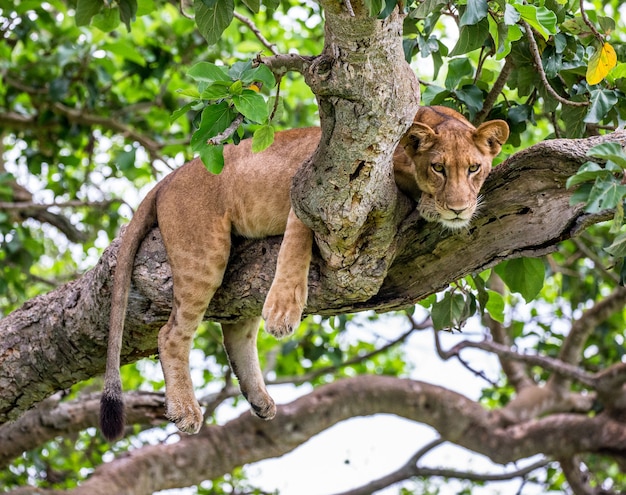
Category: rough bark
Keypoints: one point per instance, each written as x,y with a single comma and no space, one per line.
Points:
58,339
346,193
217,450
373,252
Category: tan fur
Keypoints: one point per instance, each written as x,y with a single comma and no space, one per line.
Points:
197,213
442,147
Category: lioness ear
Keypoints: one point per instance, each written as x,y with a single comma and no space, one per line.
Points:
419,137
492,135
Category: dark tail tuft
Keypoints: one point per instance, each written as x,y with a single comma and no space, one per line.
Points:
111,416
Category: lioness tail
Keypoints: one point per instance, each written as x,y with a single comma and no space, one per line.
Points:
111,402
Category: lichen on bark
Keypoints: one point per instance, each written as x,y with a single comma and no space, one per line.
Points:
367,96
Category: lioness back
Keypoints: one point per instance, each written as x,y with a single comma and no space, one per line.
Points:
252,191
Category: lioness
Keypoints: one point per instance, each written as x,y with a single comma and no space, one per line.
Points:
441,162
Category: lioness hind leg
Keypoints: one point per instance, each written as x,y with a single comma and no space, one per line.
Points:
287,296
240,344
197,272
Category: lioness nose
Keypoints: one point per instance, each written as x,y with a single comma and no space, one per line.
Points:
458,211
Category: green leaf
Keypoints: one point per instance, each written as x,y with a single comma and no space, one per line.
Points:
589,171
374,7
213,158
602,101
434,95
145,7
610,152
236,88
448,312
251,105
605,194
262,138
253,5
107,20
618,247
125,49
181,111
471,38
511,16
475,11
215,91
499,33
426,7
387,9
523,275
495,306
259,74
209,73
238,69
128,11
473,98
540,18
573,117
458,69
212,21
86,9
215,119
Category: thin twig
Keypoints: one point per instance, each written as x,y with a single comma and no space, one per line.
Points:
29,205
356,359
548,363
411,470
349,7
583,15
445,356
252,26
534,50
495,91
230,130
599,265
181,9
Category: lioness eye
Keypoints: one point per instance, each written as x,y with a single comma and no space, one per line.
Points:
474,168
438,167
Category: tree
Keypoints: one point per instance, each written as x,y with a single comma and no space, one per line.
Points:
83,109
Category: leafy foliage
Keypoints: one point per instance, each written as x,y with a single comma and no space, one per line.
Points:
100,98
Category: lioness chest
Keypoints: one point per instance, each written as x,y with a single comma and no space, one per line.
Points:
252,194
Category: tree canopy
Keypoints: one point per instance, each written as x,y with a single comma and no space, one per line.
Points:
101,98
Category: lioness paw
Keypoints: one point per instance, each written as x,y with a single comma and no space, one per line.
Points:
188,417
265,410
281,319
283,308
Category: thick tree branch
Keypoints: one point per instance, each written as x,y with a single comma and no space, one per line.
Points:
353,207
526,212
52,418
217,450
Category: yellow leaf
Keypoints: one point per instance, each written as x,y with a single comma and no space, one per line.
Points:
601,63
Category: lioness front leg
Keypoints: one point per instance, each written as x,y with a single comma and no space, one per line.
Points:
240,345
287,296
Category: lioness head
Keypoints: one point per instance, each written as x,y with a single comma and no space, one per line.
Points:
452,159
